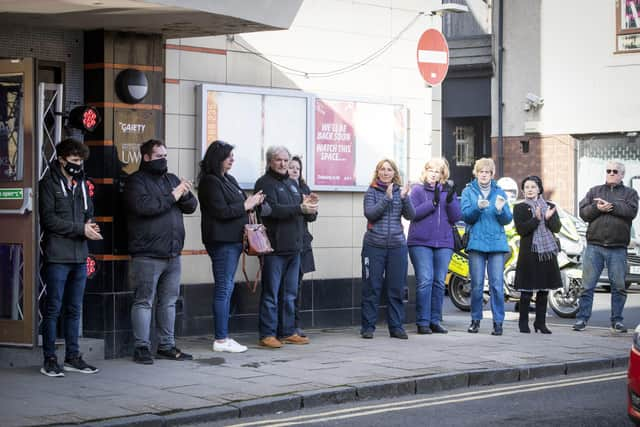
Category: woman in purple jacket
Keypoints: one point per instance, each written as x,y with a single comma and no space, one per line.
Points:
430,241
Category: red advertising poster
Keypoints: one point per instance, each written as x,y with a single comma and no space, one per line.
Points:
335,143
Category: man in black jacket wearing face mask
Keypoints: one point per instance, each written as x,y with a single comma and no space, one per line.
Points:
156,201
66,219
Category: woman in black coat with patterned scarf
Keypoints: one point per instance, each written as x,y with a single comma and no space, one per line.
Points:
537,271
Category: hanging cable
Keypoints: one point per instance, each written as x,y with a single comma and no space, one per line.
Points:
338,71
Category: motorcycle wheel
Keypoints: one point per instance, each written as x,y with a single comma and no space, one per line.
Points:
566,304
460,293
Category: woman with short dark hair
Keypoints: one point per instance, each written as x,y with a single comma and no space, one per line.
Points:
537,271
224,208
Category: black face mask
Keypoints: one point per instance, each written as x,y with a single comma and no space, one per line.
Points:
76,171
158,166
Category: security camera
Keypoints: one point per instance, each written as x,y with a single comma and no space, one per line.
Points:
535,100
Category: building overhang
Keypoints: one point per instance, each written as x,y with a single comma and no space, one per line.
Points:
171,18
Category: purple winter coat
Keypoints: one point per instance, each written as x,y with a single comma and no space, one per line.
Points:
432,224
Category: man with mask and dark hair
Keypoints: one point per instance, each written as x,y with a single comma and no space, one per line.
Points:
66,219
156,201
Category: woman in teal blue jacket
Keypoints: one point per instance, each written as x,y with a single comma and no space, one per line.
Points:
486,212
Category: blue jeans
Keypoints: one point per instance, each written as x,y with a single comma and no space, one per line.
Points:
224,262
151,276
388,267
65,290
493,263
594,260
277,270
430,265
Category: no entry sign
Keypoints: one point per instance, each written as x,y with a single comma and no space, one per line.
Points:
433,56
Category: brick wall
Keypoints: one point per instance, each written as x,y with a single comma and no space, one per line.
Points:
550,157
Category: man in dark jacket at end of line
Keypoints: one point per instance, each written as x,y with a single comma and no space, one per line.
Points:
285,228
609,209
156,201
66,219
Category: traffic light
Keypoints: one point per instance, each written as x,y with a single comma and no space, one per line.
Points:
85,118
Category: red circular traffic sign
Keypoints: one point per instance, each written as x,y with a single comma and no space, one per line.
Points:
433,56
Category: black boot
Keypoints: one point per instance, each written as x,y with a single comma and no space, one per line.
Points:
497,328
523,322
474,327
540,324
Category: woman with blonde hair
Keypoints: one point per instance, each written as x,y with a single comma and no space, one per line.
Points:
384,249
430,241
486,212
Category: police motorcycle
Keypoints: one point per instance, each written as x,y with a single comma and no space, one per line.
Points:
563,301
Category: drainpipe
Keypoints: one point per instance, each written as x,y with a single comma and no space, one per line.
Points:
500,107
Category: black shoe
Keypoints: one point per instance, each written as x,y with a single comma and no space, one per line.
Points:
474,327
76,364
367,335
142,355
580,325
542,328
618,327
173,354
51,368
497,329
399,333
524,328
424,330
438,329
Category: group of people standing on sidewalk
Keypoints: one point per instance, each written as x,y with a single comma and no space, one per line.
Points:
156,201
433,210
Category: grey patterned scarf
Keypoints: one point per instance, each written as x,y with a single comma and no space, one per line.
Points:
544,243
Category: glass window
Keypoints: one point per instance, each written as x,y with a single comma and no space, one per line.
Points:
628,31
465,141
11,133
11,283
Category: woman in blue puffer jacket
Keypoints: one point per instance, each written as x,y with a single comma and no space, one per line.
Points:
384,249
486,211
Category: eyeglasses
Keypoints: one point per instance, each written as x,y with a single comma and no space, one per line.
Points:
613,171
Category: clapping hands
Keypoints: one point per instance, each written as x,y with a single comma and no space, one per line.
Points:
309,204
183,188
253,201
500,202
603,205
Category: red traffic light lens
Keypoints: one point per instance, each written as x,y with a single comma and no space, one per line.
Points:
85,118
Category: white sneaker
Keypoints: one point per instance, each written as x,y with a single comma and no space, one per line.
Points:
229,346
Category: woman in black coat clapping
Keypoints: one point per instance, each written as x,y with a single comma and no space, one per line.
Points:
537,271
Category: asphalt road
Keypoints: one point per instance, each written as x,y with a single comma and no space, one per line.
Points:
593,399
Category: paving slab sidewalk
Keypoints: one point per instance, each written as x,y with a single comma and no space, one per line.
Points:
338,366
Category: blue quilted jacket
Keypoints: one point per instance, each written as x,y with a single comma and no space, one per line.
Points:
384,227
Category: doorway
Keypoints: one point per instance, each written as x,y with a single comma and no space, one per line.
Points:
18,178
465,140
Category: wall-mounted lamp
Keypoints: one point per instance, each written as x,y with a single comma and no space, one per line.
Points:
449,8
132,86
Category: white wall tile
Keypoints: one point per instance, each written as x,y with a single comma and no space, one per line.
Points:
196,269
332,232
171,98
187,164
206,67
247,69
172,63
172,130
187,132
